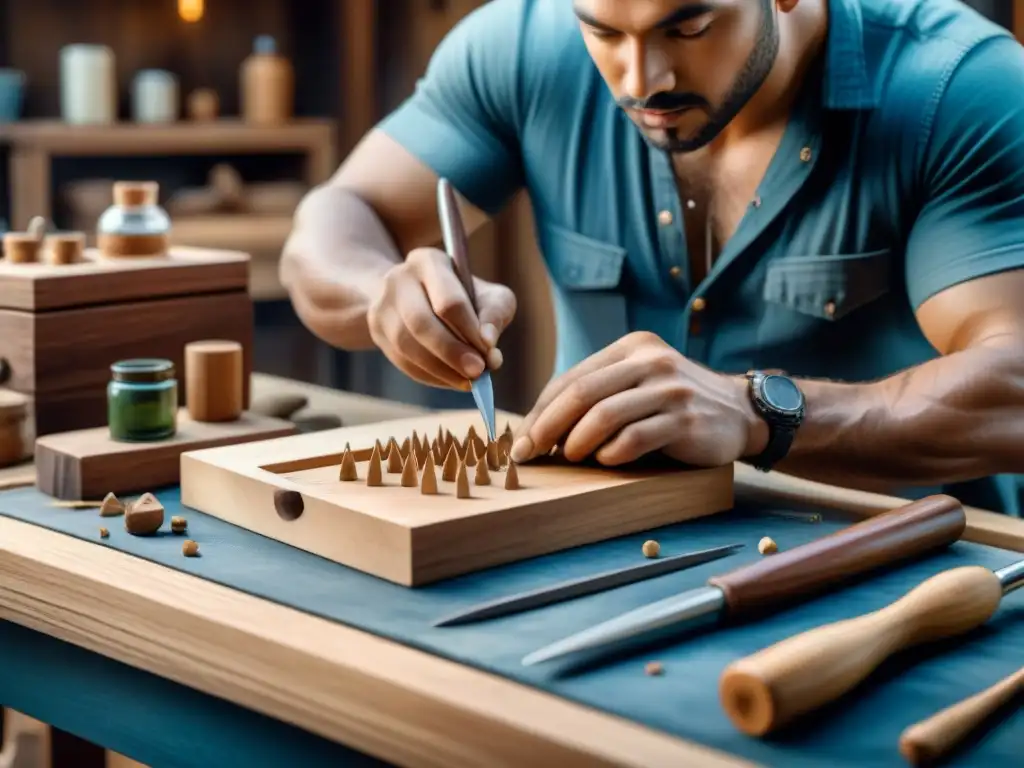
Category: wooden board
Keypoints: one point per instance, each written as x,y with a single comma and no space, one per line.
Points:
97,280
399,534
88,464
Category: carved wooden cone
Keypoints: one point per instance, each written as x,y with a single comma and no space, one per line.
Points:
112,506
479,447
437,449
381,450
462,482
493,460
451,465
394,457
482,476
512,477
374,471
449,440
439,441
348,466
470,458
415,446
406,447
428,483
409,472
422,450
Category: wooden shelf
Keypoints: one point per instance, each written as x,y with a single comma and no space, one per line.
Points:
216,137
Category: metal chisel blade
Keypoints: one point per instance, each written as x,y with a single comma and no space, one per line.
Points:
483,394
587,585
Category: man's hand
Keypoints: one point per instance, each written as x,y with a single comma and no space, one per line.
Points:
636,396
424,323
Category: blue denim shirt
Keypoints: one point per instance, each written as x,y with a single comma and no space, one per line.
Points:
900,174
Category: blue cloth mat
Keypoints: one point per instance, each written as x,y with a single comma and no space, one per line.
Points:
860,730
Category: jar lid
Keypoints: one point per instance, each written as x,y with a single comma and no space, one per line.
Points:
142,370
136,193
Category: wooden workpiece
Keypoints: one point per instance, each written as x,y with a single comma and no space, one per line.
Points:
63,325
396,526
214,380
87,463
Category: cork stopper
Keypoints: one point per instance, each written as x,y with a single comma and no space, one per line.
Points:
214,375
65,247
20,248
132,194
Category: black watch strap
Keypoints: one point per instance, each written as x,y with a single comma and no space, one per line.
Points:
783,422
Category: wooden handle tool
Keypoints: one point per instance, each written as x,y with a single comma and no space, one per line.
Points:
781,580
769,689
934,738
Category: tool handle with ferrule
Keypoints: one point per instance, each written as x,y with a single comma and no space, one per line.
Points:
932,739
900,534
768,689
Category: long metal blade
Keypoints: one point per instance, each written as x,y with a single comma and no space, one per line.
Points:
587,585
691,610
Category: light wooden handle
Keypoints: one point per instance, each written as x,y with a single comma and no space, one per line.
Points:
770,688
932,739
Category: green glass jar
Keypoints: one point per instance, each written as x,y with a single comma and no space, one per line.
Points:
142,400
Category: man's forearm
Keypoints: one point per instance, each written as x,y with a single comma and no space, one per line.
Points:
954,418
333,265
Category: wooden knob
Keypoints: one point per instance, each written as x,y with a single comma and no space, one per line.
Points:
214,380
65,247
133,194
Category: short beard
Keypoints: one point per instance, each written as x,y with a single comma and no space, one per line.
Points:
755,71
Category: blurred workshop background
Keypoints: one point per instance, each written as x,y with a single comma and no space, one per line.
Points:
161,83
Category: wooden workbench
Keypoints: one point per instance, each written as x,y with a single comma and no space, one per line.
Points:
338,684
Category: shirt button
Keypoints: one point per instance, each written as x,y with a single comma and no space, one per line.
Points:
756,202
698,304
675,271
830,309
805,154
665,218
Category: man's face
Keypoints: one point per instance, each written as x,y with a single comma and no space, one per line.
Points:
682,69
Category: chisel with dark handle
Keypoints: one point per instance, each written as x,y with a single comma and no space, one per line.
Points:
773,687
780,580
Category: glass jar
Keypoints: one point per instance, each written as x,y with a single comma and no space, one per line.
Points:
142,400
135,225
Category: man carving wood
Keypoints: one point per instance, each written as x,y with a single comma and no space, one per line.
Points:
722,188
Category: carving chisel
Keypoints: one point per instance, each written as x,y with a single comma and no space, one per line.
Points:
771,688
588,585
931,740
456,244
778,581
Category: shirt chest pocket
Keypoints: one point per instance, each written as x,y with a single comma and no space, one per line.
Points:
828,287
586,275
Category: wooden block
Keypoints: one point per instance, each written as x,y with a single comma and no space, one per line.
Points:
88,464
71,350
97,280
289,489
214,380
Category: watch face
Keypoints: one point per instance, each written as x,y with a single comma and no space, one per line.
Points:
781,393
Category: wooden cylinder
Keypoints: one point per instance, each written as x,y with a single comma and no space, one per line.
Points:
203,105
214,380
132,194
65,247
13,409
20,248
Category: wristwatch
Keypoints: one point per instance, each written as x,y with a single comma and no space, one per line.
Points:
778,400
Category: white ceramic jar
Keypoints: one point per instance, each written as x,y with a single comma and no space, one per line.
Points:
88,84
155,96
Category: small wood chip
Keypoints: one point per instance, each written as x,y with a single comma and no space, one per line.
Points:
179,525
145,516
651,548
77,504
767,546
190,549
653,668
104,533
